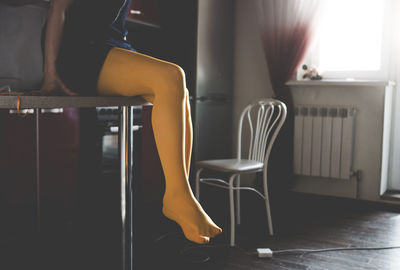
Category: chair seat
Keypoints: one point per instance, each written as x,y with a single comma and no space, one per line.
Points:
231,165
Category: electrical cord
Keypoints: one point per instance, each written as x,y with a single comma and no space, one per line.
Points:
268,253
303,251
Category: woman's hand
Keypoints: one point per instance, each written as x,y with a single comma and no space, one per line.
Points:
53,85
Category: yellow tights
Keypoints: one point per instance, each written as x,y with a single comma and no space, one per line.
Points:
162,83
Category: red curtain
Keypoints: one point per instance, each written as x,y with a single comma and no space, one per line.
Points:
287,28
286,32
284,52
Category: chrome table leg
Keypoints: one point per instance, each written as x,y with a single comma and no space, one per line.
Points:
37,195
125,145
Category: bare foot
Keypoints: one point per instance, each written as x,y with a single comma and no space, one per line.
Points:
188,213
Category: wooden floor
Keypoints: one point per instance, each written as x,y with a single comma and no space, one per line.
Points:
312,223
309,222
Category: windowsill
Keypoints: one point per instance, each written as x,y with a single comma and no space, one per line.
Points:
329,82
391,195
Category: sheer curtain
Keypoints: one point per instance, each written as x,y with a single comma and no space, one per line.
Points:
287,28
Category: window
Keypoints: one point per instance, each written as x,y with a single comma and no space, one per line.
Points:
350,41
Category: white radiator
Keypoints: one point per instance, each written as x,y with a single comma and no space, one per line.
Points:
323,141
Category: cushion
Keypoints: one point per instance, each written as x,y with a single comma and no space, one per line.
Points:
21,57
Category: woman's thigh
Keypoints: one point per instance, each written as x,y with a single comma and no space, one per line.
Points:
130,73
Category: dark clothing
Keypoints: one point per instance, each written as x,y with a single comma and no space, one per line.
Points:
92,28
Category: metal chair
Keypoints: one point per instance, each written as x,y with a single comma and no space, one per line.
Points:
269,118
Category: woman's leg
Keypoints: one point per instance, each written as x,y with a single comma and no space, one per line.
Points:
129,74
188,130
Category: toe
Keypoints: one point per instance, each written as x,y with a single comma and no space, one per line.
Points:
214,231
198,239
205,239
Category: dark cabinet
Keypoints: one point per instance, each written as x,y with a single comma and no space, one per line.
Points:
17,157
58,152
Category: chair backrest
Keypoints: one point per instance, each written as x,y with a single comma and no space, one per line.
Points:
265,118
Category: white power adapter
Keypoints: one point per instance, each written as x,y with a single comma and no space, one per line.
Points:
264,253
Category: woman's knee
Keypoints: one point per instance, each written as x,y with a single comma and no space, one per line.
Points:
174,80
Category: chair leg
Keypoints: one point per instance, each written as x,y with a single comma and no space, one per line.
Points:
198,184
238,200
232,210
270,229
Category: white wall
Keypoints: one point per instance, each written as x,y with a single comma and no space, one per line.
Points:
394,175
251,80
250,75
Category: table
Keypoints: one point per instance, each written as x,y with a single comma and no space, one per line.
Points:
125,144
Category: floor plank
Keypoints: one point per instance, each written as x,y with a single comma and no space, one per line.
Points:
309,222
